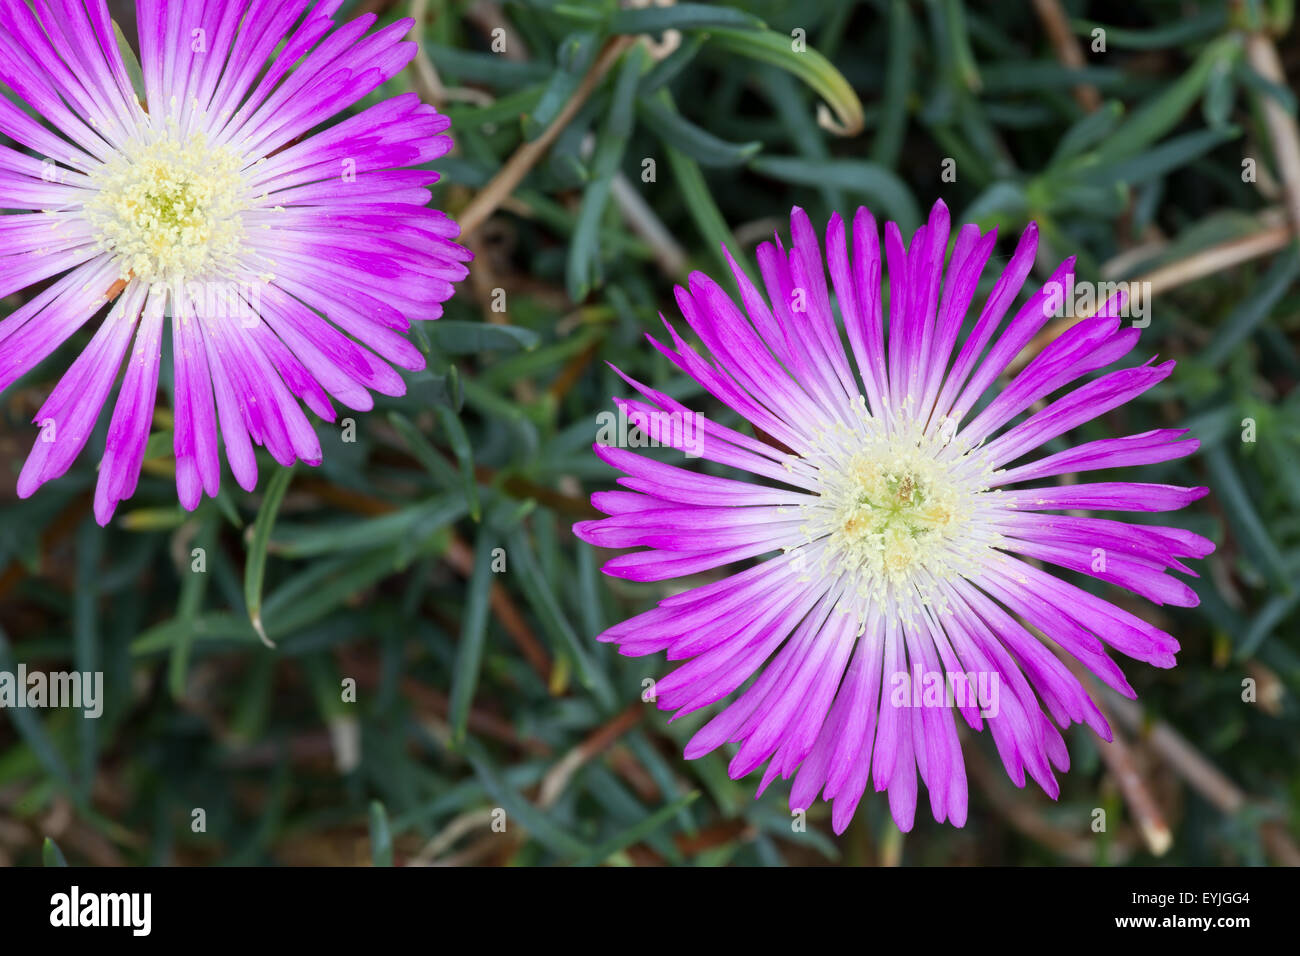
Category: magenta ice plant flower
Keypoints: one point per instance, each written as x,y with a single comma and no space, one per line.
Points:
286,255
903,525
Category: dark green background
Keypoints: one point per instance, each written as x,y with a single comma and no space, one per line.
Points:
494,695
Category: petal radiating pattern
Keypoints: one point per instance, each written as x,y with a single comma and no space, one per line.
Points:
902,514
283,256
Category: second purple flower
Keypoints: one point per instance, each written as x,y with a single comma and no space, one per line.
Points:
903,521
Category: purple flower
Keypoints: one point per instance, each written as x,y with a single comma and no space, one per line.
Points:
288,262
908,524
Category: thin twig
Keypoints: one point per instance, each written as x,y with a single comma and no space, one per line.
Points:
428,83
461,557
1022,813
604,737
549,791
427,80
1196,266
641,219
530,153
446,838
1137,795
1201,775
1262,56
1057,24
489,17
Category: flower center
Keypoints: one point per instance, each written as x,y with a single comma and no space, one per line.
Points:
170,208
895,514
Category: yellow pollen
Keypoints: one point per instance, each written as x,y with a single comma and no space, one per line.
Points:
895,514
170,208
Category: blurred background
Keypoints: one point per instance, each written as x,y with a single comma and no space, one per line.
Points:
435,694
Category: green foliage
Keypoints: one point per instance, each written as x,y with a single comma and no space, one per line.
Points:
428,562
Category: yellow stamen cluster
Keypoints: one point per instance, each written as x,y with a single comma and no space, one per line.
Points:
891,513
895,512
169,207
